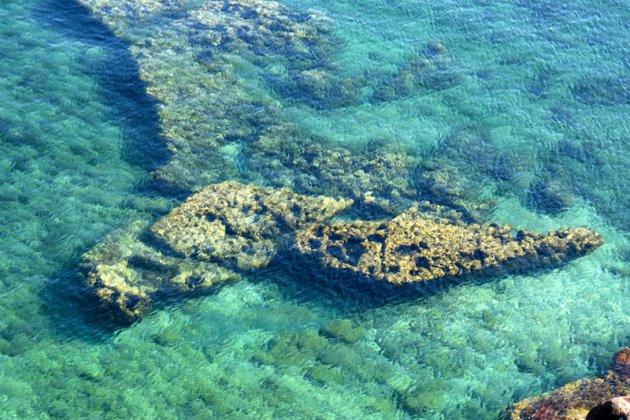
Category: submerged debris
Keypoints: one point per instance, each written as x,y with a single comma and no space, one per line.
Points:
580,398
415,247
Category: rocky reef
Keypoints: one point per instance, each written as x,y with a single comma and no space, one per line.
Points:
223,228
208,66
417,247
126,273
215,69
581,398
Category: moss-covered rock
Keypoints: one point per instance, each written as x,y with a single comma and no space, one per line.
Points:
415,247
226,226
241,225
576,399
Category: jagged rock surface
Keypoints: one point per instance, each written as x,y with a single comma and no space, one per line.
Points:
414,247
224,227
126,273
239,224
577,399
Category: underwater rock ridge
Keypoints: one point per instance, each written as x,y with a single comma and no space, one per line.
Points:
231,228
210,239
417,247
196,58
591,398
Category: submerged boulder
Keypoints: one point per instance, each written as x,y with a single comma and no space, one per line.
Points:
241,225
126,273
594,398
616,409
416,247
222,229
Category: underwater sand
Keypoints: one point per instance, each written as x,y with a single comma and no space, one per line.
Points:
79,136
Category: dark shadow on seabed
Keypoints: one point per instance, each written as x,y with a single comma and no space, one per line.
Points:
71,311
118,76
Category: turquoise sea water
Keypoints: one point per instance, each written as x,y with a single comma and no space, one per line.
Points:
544,84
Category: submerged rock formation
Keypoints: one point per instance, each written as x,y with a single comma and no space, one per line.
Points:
579,399
416,247
241,225
616,409
230,227
126,273
224,227
215,69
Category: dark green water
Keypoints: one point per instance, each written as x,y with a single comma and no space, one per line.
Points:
546,85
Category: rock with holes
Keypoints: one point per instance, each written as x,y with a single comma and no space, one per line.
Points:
591,398
240,225
206,241
416,247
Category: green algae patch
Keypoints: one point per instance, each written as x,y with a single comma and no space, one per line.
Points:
577,399
345,330
225,227
416,247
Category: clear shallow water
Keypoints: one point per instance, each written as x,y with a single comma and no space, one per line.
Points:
78,137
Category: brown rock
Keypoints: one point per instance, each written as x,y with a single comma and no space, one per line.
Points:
582,398
622,362
241,225
224,227
126,273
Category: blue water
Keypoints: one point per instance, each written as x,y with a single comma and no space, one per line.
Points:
545,86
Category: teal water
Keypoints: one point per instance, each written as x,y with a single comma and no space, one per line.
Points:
545,85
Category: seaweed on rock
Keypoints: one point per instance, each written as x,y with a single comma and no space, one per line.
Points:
241,225
415,247
208,65
125,273
225,227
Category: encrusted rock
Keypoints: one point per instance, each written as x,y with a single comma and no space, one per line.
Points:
415,247
591,398
126,273
226,226
616,409
239,224
382,179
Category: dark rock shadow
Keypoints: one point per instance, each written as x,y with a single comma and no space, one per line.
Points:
300,279
118,77
72,312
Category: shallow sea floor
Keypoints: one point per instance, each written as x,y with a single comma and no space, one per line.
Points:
79,136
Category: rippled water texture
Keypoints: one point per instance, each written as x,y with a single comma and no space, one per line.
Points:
525,105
